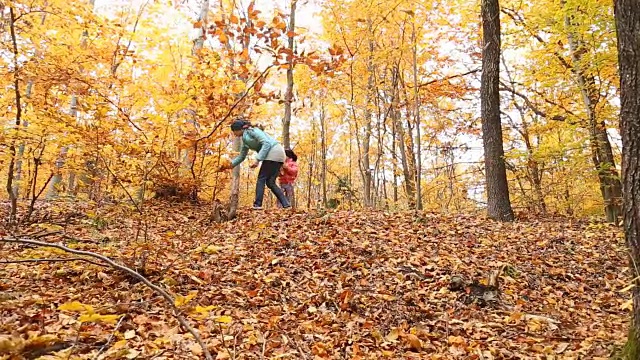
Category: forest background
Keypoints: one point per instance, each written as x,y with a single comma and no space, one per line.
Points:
127,99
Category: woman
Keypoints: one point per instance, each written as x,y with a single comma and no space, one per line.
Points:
270,153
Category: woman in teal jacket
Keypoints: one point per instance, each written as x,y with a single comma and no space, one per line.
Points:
270,153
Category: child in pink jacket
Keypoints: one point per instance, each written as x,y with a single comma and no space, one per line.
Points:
288,174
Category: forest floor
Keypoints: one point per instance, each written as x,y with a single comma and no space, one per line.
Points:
297,285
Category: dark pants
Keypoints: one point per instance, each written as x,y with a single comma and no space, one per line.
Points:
269,171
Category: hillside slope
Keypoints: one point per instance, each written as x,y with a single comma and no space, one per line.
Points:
316,285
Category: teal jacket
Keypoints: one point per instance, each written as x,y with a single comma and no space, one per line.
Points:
256,140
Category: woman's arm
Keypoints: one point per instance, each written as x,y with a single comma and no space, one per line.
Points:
240,158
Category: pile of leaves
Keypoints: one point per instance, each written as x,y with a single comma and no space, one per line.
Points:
281,284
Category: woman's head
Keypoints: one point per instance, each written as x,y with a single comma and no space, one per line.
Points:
290,154
239,125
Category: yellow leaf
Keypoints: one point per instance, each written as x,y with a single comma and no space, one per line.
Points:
393,335
129,334
212,249
76,306
628,288
119,344
181,300
204,310
225,319
97,318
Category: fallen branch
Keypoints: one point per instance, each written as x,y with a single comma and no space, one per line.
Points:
169,299
19,261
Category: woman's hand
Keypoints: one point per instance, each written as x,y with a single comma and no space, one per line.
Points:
254,164
224,167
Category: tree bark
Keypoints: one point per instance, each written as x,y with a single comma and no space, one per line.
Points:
366,143
602,152
627,17
288,98
234,197
323,146
409,181
416,93
18,97
498,203
21,148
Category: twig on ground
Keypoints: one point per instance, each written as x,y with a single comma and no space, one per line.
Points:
304,356
169,299
75,342
19,261
110,337
264,345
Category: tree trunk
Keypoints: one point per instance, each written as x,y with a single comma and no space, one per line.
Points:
366,143
602,152
21,148
323,145
498,204
234,198
57,177
416,93
311,163
189,156
288,98
12,147
394,156
627,15
409,181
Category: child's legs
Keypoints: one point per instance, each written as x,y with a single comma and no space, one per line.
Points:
287,189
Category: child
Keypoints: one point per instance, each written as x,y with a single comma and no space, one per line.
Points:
288,175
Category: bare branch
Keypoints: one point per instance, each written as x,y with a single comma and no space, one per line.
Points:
233,107
447,78
169,299
531,105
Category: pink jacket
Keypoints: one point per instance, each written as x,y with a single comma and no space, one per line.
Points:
289,172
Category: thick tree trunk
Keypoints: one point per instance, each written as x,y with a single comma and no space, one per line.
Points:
498,203
627,14
288,98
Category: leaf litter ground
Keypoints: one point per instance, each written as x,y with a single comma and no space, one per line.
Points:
337,285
